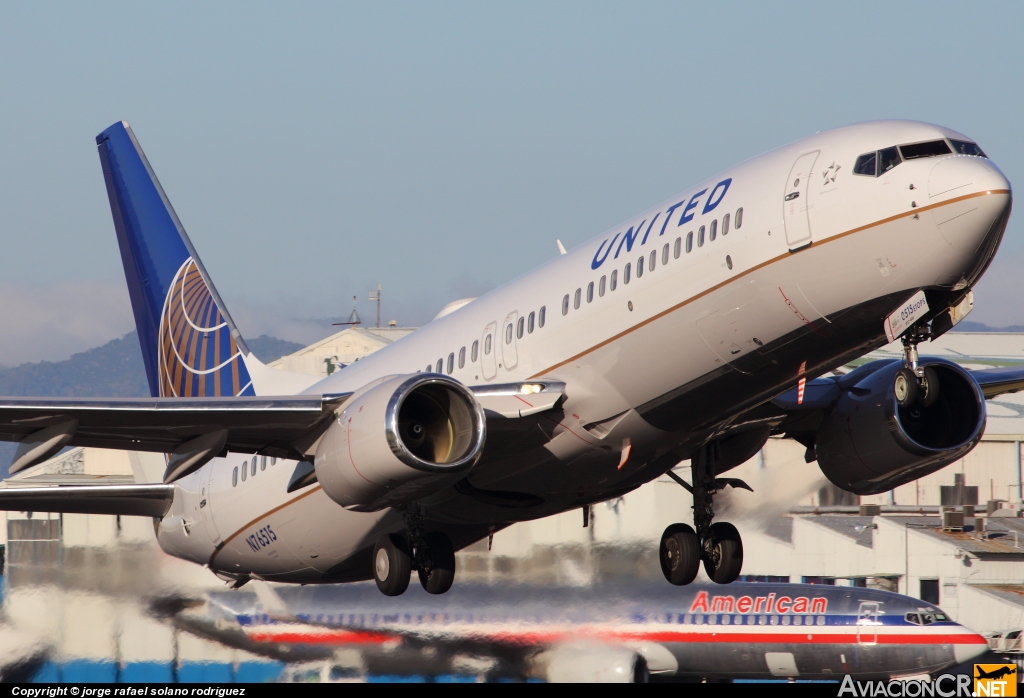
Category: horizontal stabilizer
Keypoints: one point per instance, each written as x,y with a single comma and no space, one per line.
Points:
114,500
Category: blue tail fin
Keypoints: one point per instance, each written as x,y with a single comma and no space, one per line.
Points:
189,342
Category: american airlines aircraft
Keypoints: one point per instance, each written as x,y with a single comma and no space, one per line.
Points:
619,634
692,331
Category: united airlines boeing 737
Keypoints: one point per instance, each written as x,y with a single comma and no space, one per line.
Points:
692,331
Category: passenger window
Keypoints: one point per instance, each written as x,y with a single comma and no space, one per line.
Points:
689,241
930,149
529,323
967,148
639,267
725,224
440,366
565,305
520,326
614,282
451,363
865,165
508,333
576,300
601,286
254,467
664,254
429,369
700,237
653,259
542,316
462,357
590,292
625,274
713,233
245,470
677,248
273,461
234,477
487,345
739,217
474,352
888,159
263,462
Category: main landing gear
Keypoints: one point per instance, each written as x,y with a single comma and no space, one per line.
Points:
915,383
717,545
431,554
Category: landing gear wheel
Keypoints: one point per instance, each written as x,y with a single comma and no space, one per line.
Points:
723,558
679,554
928,392
904,385
442,564
392,564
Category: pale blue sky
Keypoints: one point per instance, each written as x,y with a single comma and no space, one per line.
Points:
315,150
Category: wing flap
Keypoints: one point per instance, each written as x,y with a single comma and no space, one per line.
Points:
114,500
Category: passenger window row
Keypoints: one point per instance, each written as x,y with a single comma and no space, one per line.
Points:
881,161
526,325
611,282
246,468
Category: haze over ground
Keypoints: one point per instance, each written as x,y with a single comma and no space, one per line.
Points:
315,150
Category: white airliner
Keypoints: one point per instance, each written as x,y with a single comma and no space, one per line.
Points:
692,331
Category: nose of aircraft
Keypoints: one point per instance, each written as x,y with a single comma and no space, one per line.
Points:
964,174
968,646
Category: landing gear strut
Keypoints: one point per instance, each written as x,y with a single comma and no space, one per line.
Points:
430,554
717,545
915,383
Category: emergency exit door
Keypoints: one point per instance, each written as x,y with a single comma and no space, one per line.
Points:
796,213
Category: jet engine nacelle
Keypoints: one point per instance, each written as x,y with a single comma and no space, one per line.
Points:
398,440
590,662
870,444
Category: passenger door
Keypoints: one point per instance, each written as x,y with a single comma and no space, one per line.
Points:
488,351
796,213
509,350
867,623
205,501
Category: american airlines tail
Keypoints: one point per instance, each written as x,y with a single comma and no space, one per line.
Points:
190,344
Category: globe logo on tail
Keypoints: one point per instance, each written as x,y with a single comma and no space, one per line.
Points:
198,355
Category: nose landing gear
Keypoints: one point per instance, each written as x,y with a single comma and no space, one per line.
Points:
915,383
717,545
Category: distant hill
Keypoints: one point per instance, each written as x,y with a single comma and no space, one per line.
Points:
112,370
968,326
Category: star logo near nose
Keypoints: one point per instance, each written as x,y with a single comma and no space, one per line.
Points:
829,175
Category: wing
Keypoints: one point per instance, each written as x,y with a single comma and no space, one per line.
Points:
799,416
115,500
194,430
278,426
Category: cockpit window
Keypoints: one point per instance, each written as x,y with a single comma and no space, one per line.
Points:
913,618
967,148
927,619
929,149
866,165
940,617
888,159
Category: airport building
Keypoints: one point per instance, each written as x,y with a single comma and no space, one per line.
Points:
955,537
